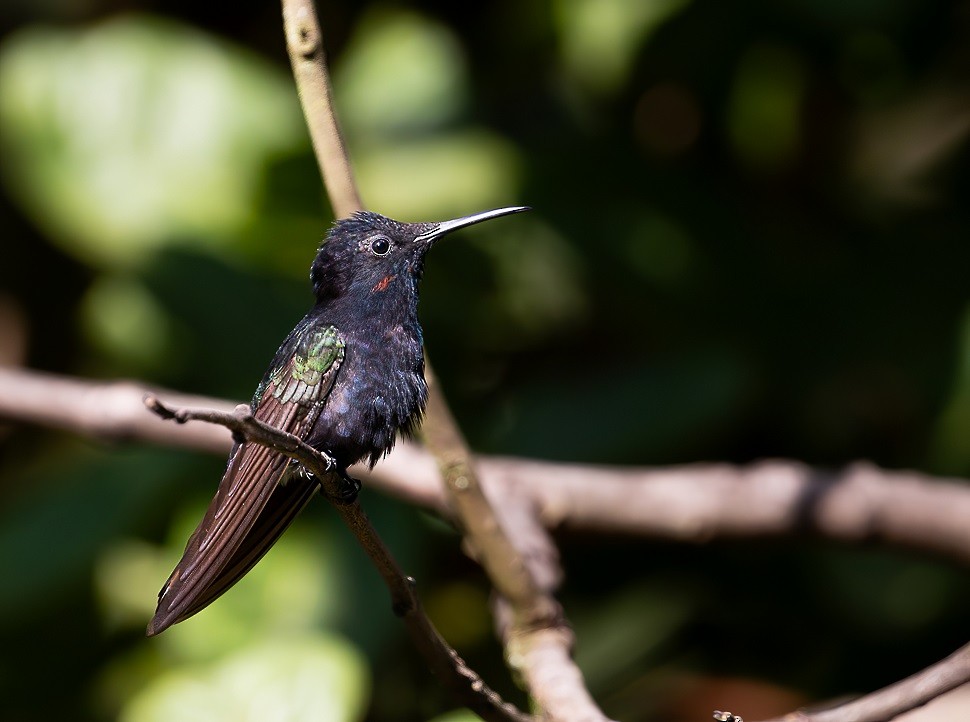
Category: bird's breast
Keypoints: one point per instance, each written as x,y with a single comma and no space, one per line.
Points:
380,390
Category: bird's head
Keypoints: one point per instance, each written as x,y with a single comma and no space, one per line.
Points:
368,252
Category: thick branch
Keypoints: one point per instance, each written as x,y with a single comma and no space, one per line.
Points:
304,42
701,502
110,411
695,503
894,700
444,661
543,656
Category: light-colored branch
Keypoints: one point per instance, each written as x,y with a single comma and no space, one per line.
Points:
443,660
537,638
894,700
775,498
304,43
110,411
695,503
542,655
488,540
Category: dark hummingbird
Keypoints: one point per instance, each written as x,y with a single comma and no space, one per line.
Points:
346,380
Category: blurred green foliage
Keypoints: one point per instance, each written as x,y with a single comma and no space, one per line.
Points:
137,132
749,239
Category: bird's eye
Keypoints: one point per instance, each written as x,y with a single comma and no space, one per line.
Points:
380,246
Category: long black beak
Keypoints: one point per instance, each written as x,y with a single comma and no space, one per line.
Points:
444,227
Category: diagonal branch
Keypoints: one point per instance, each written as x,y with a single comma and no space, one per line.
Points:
304,43
894,700
537,638
443,660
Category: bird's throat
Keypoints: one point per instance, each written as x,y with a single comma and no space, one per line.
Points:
382,285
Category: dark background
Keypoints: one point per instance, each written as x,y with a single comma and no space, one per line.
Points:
749,239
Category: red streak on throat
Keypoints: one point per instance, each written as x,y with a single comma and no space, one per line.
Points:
383,283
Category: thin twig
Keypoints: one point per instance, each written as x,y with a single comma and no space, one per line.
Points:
444,661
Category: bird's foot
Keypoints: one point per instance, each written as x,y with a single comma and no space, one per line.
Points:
347,490
347,487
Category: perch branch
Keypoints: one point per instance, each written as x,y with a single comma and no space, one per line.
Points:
447,665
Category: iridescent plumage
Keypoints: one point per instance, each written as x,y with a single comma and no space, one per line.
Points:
346,380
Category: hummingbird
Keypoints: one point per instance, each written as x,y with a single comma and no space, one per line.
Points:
347,380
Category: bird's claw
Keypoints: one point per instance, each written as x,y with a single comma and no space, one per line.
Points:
348,488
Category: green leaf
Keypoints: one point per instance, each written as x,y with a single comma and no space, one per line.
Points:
51,537
124,320
294,589
126,135
457,715
599,39
766,105
427,87
313,678
626,629
951,452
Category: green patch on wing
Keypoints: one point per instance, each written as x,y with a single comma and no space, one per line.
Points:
324,348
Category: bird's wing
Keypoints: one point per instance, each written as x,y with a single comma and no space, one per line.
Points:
252,507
